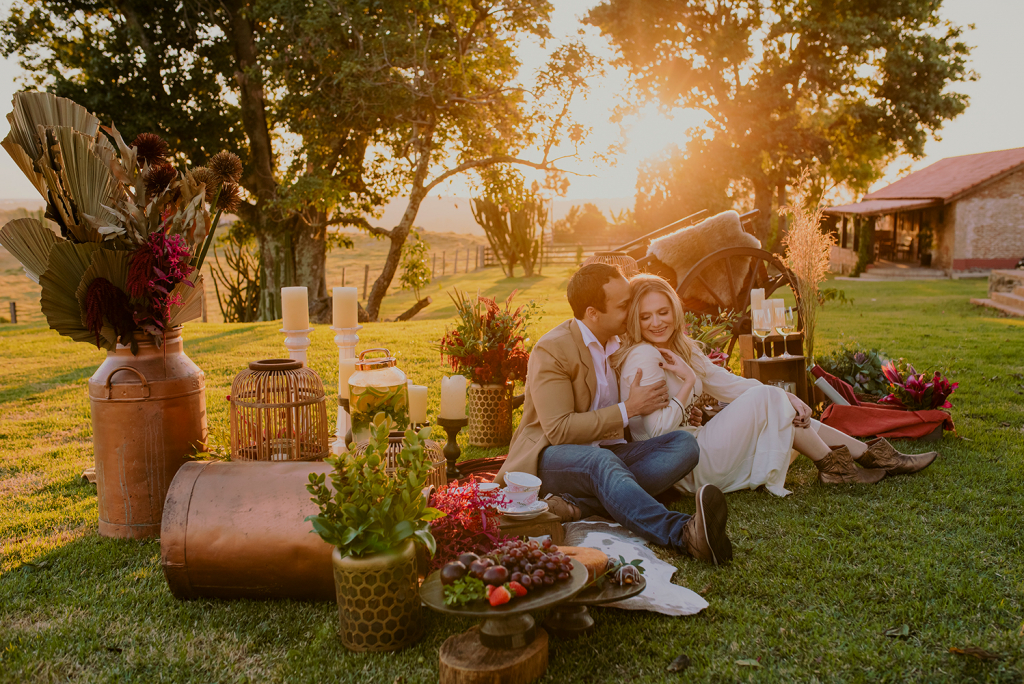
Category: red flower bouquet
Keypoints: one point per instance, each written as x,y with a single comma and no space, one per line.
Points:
916,392
469,523
489,342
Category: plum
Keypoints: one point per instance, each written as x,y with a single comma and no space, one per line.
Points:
452,572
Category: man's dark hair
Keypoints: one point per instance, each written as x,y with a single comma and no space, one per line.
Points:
586,288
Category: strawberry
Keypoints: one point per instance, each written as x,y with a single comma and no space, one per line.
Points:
500,596
518,588
490,588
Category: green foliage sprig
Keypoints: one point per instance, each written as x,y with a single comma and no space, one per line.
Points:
415,263
369,510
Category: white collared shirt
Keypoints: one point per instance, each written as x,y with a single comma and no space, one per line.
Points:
607,386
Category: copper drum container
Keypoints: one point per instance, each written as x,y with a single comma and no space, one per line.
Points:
238,530
148,412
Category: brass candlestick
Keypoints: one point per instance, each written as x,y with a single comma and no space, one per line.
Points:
452,426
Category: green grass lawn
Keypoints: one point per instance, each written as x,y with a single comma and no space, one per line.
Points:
817,577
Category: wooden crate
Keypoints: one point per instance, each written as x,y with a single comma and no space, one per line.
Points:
773,370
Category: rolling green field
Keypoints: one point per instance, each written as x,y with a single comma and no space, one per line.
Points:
818,577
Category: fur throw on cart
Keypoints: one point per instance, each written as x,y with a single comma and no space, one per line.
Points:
682,249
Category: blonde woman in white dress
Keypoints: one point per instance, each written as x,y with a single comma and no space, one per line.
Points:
748,444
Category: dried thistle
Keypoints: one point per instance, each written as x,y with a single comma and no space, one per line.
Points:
229,198
203,175
808,254
151,149
226,167
158,178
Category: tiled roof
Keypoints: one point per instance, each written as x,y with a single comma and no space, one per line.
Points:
875,207
948,178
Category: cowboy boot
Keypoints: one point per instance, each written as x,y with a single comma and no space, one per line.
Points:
881,454
837,467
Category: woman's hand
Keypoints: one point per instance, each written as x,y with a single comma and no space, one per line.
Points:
803,411
673,362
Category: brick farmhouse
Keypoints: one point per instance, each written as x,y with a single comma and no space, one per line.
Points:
960,214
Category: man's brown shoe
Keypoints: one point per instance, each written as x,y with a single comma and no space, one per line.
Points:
705,532
837,467
565,511
881,454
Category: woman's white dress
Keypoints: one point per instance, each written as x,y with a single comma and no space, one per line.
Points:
745,446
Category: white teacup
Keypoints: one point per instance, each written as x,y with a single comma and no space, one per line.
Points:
522,489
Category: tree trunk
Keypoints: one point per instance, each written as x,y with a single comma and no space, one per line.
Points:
275,250
310,250
763,203
415,309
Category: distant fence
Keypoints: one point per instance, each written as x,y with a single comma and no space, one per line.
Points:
557,253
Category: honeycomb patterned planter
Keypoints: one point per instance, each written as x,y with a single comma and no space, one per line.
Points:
378,599
489,411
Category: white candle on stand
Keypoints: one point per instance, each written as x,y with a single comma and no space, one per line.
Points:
294,308
417,403
345,313
453,397
756,299
345,369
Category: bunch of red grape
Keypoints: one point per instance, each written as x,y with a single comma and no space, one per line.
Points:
533,564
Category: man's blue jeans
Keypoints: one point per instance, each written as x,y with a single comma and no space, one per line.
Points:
621,481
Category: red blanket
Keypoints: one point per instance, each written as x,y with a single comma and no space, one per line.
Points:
868,420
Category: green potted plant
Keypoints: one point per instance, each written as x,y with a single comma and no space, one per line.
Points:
374,519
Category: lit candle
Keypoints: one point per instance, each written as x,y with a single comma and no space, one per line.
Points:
417,403
345,299
345,369
756,299
453,397
294,308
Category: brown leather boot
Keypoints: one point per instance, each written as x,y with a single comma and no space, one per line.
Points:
706,539
565,511
881,454
837,467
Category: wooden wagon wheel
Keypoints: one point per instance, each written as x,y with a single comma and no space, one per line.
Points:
763,270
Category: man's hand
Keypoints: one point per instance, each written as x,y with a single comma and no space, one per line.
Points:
696,416
803,411
646,399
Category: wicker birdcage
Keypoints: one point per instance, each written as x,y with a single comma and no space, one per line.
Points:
278,413
626,264
396,438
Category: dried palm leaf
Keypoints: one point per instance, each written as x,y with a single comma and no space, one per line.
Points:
90,182
25,163
32,109
112,265
191,306
30,243
67,263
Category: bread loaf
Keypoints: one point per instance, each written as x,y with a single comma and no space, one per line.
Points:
592,559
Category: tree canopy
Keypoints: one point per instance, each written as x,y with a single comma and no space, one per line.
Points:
839,87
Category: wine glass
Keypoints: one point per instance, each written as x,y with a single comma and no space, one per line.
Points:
761,326
786,325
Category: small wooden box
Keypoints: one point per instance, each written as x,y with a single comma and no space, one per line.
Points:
776,369
545,523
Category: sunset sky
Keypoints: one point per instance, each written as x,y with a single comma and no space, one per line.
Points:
992,122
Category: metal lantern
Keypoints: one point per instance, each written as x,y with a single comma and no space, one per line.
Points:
278,413
436,477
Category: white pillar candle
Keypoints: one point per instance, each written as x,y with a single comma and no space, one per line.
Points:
345,369
778,312
345,315
453,397
294,308
417,403
756,298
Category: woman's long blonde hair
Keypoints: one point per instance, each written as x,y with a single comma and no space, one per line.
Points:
640,286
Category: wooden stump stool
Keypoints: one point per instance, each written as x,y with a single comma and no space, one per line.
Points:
465,660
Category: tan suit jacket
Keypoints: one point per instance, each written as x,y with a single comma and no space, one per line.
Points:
560,387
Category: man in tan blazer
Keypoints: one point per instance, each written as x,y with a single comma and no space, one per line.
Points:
572,431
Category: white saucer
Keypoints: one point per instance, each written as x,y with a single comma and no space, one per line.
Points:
524,513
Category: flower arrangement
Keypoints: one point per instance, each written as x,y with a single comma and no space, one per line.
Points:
916,392
488,343
134,231
861,368
370,511
469,523
712,333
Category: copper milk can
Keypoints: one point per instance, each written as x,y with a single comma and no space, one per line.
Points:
238,530
148,411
